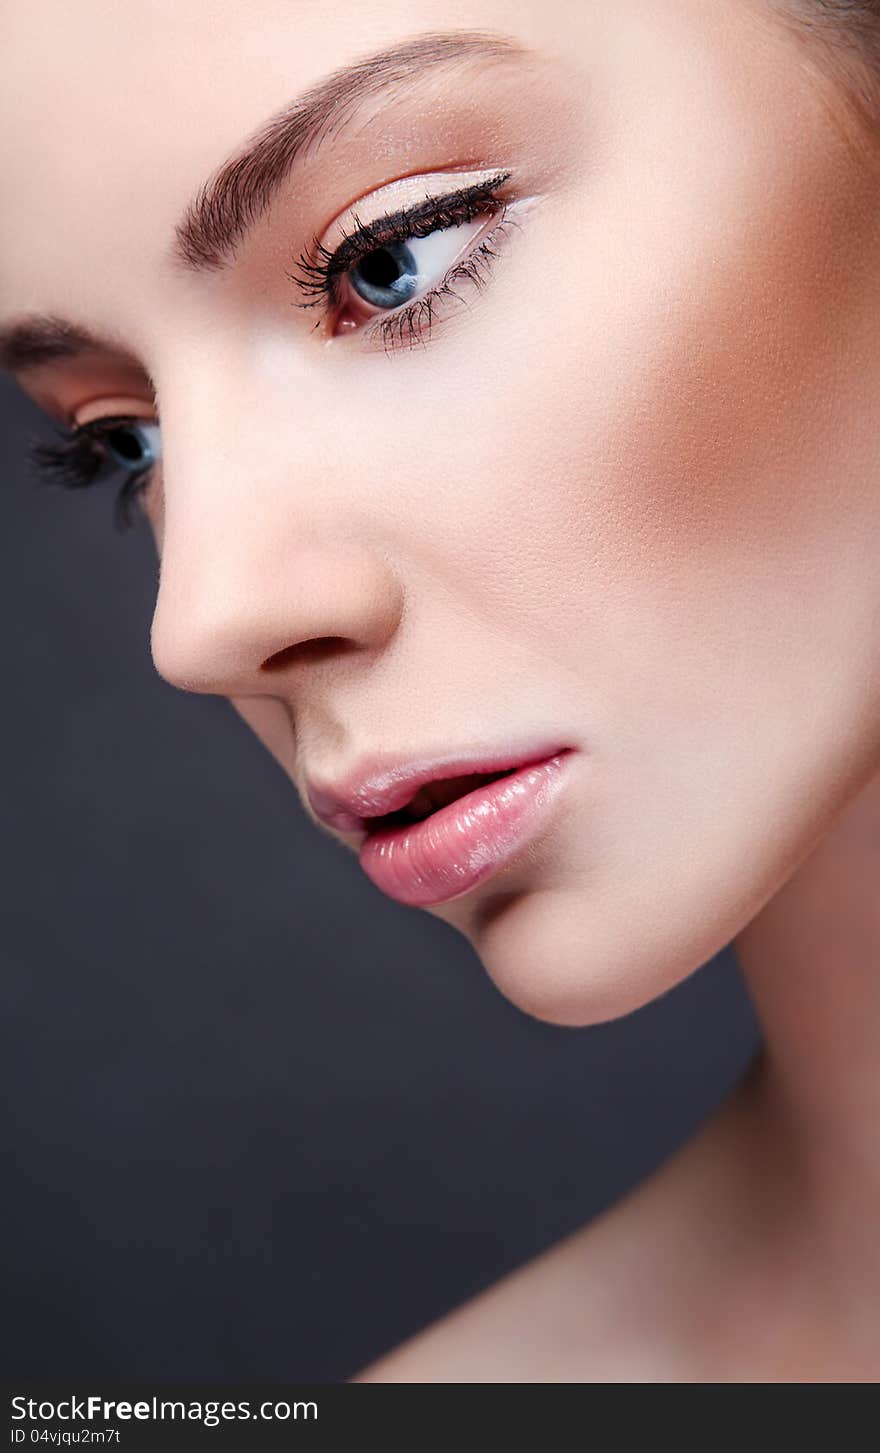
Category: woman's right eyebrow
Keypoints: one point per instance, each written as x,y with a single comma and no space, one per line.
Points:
229,204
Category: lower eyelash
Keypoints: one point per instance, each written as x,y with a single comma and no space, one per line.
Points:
410,326
77,462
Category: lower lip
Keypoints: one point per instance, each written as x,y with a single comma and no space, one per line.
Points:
462,844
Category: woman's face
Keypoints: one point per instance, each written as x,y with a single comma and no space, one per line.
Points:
619,498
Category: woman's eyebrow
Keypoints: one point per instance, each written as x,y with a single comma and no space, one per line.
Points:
229,204
233,200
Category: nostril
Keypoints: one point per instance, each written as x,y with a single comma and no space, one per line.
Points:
314,650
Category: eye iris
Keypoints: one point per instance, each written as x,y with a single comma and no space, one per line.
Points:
387,276
128,448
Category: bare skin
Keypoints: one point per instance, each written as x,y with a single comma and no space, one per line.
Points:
625,496
752,1254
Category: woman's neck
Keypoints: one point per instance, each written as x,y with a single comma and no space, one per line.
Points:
811,960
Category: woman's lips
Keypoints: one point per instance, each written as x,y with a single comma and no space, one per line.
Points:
460,845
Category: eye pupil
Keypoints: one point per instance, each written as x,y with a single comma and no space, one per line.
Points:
387,276
380,268
125,445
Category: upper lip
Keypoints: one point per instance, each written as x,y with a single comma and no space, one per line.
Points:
381,785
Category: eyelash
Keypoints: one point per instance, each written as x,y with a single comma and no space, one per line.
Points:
80,460
320,270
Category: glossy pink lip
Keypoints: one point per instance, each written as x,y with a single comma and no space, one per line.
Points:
381,786
457,846
460,845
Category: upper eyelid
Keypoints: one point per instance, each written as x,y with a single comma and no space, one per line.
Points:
104,424
432,185
318,260
426,208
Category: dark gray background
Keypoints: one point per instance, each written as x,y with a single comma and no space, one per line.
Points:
260,1120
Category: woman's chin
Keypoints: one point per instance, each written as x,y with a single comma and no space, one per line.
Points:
557,961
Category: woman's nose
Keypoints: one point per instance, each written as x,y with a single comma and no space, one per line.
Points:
239,609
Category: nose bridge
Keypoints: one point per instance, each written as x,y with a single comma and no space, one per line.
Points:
256,561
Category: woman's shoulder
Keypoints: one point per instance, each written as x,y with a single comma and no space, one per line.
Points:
574,1313
617,1300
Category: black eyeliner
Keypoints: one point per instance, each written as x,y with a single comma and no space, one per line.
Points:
320,268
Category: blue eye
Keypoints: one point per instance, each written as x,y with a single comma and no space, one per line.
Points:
390,275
